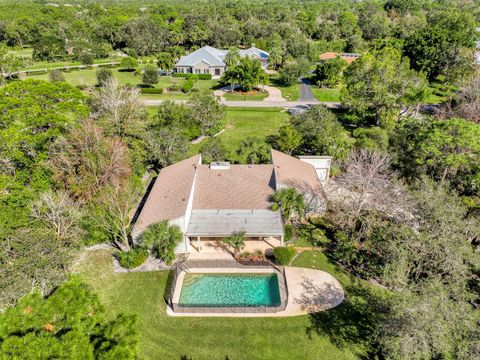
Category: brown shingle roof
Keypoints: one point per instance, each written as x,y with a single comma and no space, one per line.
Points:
168,198
239,187
293,172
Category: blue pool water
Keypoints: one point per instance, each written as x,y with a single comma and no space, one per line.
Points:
230,290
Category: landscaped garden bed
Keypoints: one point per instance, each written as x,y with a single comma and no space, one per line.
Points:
238,95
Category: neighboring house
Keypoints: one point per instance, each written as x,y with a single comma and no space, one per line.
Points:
210,202
209,60
348,57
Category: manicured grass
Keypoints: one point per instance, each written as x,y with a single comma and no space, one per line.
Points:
325,94
49,65
24,53
236,96
315,259
290,93
164,337
245,122
88,77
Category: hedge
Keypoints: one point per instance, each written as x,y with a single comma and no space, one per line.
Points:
133,258
284,255
151,90
193,76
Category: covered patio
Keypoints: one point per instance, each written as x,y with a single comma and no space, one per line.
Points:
207,229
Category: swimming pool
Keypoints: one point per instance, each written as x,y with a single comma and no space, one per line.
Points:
233,289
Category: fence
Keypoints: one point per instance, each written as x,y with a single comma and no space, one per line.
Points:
187,265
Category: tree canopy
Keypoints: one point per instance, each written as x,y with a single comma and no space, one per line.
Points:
69,323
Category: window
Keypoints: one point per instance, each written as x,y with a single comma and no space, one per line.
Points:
217,71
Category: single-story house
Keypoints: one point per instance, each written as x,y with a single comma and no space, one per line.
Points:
209,60
348,57
211,201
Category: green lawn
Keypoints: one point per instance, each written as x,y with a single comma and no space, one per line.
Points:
164,337
325,94
49,65
317,260
291,93
88,77
245,122
236,96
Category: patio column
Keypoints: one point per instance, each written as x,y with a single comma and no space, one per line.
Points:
281,241
199,247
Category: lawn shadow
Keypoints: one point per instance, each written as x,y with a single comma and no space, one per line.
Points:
355,321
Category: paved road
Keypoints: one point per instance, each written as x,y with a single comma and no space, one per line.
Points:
257,104
305,91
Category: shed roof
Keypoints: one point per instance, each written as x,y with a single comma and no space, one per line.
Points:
221,223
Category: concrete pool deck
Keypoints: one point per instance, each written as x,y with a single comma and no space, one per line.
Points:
309,291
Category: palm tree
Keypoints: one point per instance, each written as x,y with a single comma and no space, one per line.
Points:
236,241
165,61
255,150
290,202
162,238
233,57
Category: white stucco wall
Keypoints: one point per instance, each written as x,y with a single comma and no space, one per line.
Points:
321,164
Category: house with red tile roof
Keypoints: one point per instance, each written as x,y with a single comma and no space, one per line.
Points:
211,201
348,57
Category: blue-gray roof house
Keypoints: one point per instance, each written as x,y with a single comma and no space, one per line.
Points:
209,60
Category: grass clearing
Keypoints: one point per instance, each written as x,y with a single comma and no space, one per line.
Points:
88,77
290,93
245,122
164,337
325,94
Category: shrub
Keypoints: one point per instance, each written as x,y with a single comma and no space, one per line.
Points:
129,63
284,255
133,258
187,86
180,75
193,76
56,76
204,76
86,59
173,87
150,75
103,75
288,232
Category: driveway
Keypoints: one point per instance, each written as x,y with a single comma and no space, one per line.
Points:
305,91
274,94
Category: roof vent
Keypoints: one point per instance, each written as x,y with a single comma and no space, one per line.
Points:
220,165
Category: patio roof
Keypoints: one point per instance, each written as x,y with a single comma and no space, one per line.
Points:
221,223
